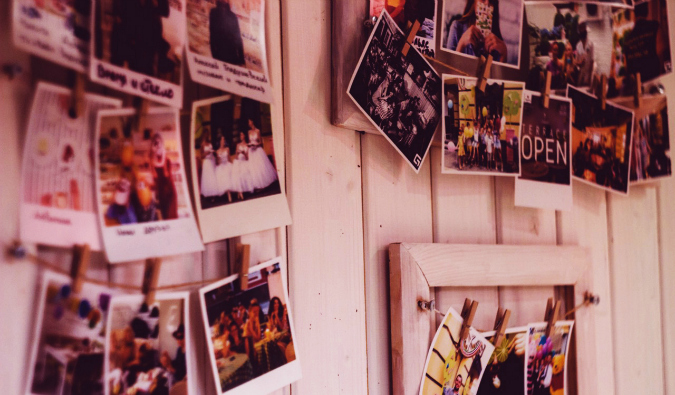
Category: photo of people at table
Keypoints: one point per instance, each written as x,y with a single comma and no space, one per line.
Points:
147,347
249,330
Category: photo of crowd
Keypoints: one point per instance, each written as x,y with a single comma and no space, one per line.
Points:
147,347
144,36
400,94
234,151
478,28
547,358
249,331
481,130
602,142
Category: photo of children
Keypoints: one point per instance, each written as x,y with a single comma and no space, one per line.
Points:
250,332
69,343
505,373
405,13
455,367
478,28
146,346
547,358
481,130
602,142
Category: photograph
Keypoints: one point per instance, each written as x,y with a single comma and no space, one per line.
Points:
405,13
138,47
505,373
236,59
601,142
453,367
234,168
399,94
641,44
143,202
569,40
250,332
545,143
146,345
69,343
475,28
58,203
546,358
481,130
56,30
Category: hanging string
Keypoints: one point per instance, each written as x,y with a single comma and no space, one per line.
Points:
445,65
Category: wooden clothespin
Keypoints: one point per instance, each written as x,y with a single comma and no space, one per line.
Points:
243,262
79,266
150,277
484,66
637,98
501,322
546,93
410,38
551,316
76,105
603,92
142,106
468,312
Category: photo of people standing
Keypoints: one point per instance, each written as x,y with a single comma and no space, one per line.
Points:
602,141
478,28
234,151
145,36
481,130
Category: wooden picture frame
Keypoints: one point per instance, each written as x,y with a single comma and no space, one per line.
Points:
415,269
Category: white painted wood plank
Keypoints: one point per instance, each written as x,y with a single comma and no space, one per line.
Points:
635,291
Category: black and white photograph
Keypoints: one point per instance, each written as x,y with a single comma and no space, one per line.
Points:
400,94
236,183
226,46
137,48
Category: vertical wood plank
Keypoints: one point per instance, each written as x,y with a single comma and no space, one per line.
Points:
666,211
635,291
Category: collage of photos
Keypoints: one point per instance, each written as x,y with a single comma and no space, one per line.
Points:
399,94
602,142
476,28
69,343
481,130
405,13
505,373
146,346
141,186
546,358
249,332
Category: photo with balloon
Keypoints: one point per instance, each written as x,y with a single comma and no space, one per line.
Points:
546,358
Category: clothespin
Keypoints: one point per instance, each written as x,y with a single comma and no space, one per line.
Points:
546,93
142,106
603,92
150,277
468,312
501,322
484,67
551,316
637,98
79,266
243,261
410,38
76,106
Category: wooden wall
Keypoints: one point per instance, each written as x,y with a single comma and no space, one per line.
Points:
351,195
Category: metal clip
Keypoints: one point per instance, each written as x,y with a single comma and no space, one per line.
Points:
424,305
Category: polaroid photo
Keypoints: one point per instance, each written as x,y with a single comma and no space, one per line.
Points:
601,142
146,345
481,130
138,47
406,12
612,3
505,371
399,94
142,193
69,341
235,180
55,30
545,370
546,148
250,333
475,28
58,204
455,367
236,59
641,44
